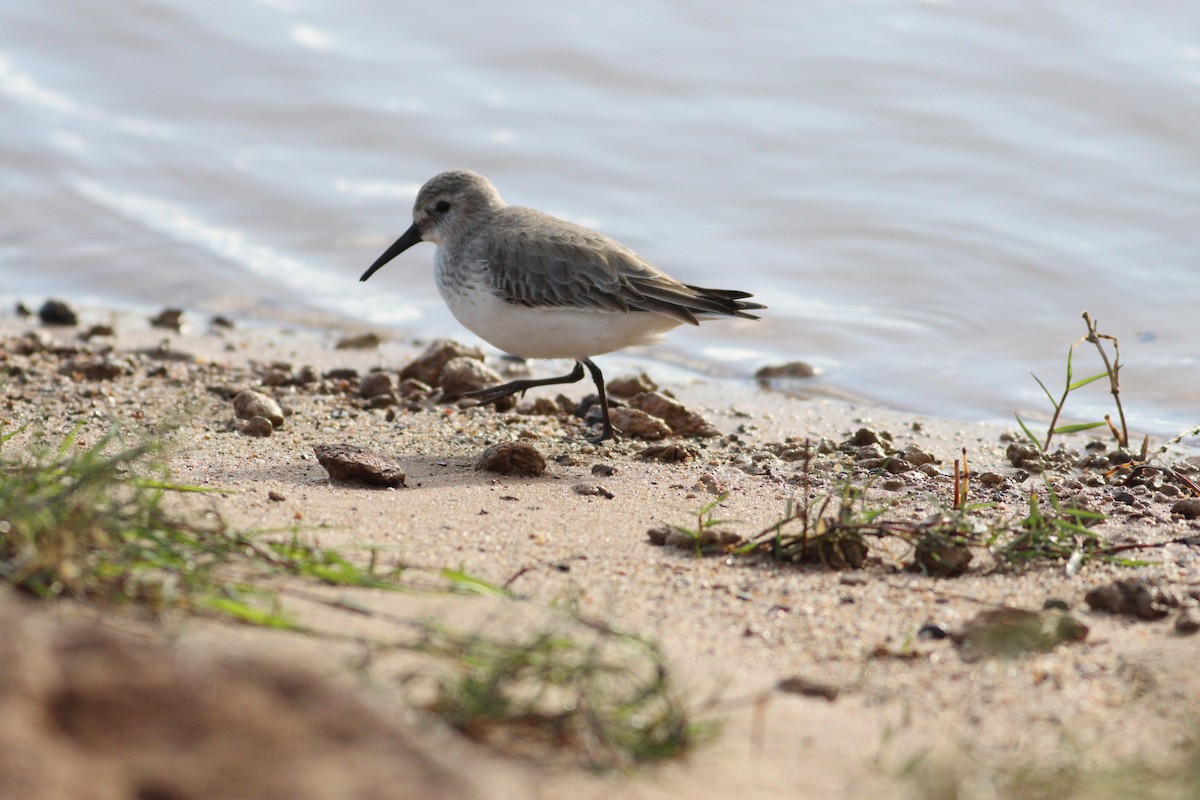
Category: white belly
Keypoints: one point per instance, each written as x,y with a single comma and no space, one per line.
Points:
553,332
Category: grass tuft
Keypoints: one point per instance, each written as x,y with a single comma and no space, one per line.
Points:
90,522
605,698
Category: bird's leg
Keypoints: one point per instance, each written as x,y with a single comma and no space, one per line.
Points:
598,379
494,393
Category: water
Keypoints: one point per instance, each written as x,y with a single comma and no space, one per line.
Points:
927,194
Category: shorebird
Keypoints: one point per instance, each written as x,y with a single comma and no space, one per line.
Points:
537,286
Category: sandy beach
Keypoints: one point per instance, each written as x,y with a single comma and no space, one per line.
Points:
827,680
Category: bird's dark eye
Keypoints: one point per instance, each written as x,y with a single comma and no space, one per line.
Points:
442,207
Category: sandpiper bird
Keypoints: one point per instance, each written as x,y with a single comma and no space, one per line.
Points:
540,287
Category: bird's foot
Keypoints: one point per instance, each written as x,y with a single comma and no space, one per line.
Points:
493,394
607,434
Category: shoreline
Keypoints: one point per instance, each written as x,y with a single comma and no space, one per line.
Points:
734,628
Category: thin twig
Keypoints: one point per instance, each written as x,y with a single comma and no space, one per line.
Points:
1114,372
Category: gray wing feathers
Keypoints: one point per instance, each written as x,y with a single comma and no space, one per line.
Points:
540,261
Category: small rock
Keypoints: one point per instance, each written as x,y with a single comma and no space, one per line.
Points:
630,385
461,375
592,490
540,406
871,452
989,478
428,366
512,458
382,401
798,684
413,389
1187,623
92,369
708,540
96,330
375,384
931,630
169,318
709,483
941,557
363,341
256,426
916,456
794,369
865,436
603,469
56,312
681,420
669,453
276,377
1134,598
637,424
248,404
220,321
1188,508
347,462
275,496
1025,456
658,536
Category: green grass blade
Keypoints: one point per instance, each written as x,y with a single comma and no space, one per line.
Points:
1082,426
1085,381
249,614
1036,442
470,584
1053,401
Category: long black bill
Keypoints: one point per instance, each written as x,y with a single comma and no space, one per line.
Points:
410,237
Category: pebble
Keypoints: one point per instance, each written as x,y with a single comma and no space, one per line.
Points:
681,420
427,367
1187,623
539,406
941,558
92,369
807,687
347,462
592,490
463,374
169,318
637,424
249,403
56,312
375,384
1188,508
630,385
512,458
669,453
793,369
363,341
256,426
1134,598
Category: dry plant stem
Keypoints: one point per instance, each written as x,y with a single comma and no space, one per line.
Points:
962,481
957,484
1114,373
